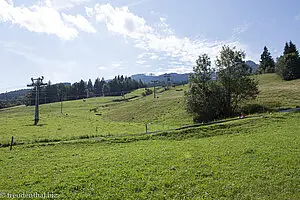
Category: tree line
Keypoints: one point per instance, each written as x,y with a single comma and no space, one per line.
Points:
118,86
287,65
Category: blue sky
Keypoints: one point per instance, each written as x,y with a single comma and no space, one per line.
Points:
69,40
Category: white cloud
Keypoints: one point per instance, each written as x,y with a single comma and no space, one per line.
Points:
63,4
119,64
102,68
44,19
116,64
80,22
154,57
120,20
141,55
140,62
297,17
158,38
136,3
238,30
178,69
149,55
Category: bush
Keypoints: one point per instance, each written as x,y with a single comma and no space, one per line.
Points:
206,104
147,92
253,108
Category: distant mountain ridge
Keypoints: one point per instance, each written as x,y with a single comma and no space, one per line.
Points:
180,78
14,94
252,65
174,77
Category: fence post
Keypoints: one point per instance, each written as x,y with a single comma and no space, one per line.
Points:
11,143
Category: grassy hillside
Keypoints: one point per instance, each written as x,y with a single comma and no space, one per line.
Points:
251,159
102,116
95,149
95,117
277,93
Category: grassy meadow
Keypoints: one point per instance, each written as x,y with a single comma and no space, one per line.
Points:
95,117
96,149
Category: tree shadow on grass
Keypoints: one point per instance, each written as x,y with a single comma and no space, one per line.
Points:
39,125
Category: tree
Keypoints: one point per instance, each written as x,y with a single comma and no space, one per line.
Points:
74,91
234,76
97,87
61,91
106,89
90,86
267,64
81,89
290,48
288,65
205,97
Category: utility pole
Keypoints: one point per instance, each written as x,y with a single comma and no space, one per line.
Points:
61,103
122,93
154,82
168,76
87,93
37,83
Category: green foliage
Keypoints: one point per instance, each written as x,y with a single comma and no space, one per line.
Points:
290,48
288,65
98,85
147,92
234,76
90,86
121,85
205,97
267,64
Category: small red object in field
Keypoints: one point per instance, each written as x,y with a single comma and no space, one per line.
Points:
243,116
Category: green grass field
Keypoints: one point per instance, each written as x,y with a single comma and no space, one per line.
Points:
276,93
102,154
109,117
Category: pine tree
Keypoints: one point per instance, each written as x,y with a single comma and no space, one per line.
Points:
288,65
90,86
290,48
97,87
267,64
81,89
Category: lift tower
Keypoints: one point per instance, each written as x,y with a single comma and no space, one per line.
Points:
36,83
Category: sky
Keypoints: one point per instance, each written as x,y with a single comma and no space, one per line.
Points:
70,40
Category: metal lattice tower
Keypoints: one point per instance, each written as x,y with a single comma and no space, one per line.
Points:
154,82
168,77
37,83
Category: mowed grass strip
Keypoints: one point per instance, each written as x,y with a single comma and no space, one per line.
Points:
251,161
